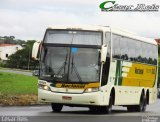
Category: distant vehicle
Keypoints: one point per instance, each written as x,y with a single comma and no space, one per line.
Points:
96,67
35,72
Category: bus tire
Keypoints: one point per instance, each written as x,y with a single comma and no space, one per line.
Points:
103,109
109,107
142,104
56,107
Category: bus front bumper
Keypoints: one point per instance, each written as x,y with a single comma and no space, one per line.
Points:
92,98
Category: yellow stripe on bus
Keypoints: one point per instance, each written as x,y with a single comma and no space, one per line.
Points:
78,86
140,75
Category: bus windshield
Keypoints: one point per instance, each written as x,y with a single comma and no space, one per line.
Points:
74,59
73,37
70,64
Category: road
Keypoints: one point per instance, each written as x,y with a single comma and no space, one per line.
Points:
16,71
45,114
68,114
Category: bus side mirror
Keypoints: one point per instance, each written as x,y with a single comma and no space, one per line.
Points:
103,53
35,50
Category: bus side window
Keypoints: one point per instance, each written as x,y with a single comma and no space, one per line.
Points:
131,49
138,52
116,46
108,42
123,48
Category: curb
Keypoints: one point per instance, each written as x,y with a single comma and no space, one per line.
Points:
15,69
38,104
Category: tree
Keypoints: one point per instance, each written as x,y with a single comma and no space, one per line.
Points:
11,40
159,62
158,50
22,58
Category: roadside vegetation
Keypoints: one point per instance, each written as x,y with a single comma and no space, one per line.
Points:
16,89
159,71
158,65
22,58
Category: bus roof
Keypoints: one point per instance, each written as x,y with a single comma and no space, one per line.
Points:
107,29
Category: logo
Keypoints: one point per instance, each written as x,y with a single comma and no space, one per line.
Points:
103,8
139,71
112,6
150,119
14,119
73,86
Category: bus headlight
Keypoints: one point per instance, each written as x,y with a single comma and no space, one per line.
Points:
91,90
44,87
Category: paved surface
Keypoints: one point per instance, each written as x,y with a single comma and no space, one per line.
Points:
16,71
68,114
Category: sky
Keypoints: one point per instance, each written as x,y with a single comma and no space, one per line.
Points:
28,19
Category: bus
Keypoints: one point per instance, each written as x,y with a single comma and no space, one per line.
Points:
96,67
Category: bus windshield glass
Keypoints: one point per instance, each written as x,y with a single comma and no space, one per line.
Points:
73,37
70,64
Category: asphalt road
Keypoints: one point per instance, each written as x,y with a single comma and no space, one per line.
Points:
68,114
16,71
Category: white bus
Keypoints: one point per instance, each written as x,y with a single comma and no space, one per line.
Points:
96,67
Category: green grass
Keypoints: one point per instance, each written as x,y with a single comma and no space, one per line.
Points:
16,84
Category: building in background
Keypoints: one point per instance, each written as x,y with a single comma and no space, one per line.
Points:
8,49
158,41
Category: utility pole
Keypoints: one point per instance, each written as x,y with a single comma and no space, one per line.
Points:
29,56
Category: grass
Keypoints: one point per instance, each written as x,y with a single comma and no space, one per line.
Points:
11,84
17,89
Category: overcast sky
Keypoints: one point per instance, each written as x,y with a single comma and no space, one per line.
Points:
28,19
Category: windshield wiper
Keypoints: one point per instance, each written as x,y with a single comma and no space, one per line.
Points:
63,66
45,53
47,67
75,69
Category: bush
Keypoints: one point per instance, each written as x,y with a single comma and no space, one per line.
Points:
2,64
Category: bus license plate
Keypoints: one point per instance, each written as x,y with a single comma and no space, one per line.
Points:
66,98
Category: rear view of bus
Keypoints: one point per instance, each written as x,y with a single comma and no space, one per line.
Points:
77,69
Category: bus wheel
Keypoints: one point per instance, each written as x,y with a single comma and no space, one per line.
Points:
142,105
145,104
102,109
109,107
56,107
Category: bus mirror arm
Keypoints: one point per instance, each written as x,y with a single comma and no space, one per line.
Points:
103,53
